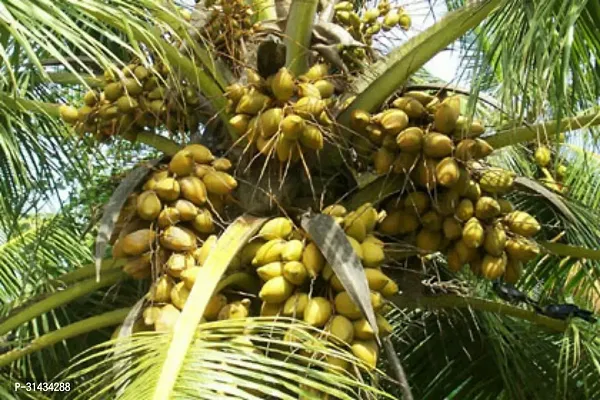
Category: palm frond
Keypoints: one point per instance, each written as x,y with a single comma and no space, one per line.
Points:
245,359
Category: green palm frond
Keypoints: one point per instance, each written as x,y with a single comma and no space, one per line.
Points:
246,359
537,54
35,251
477,355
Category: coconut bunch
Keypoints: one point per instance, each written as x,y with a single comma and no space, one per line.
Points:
282,116
227,25
298,282
551,177
469,222
160,227
417,133
365,24
134,99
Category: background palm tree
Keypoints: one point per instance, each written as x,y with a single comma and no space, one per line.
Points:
533,72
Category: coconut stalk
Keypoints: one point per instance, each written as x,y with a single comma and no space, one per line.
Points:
385,77
88,271
27,312
509,137
68,78
453,301
78,328
298,33
228,245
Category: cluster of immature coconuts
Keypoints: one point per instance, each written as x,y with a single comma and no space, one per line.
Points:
228,24
551,178
299,283
369,23
282,116
134,99
165,230
451,202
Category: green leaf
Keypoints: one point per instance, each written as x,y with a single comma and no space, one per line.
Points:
298,33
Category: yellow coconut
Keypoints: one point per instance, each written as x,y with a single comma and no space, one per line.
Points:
487,208
269,252
495,240
148,205
473,233
399,222
167,189
276,290
219,182
410,140
313,260
437,145
522,249
295,305
138,242
447,172
178,239
341,328
317,312
522,223
493,267
276,228
452,228
465,210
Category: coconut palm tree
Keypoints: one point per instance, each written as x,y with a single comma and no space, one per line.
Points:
263,149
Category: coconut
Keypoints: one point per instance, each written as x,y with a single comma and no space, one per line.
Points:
473,233
429,241
359,119
276,290
487,208
138,242
465,210
317,312
346,307
383,160
167,189
493,267
178,239
276,228
522,223
168,216
148,205
325,88
292,126
410,140
268,122
495,240
543,156
373,254
399,222
312,137
417,202
201,154
432,221
252,102
447,114
308,107
437,145
405,162
412,107
203,222
522,249
447,172
452,228
392,121
341,328
424,174
283,86
219,182
496,180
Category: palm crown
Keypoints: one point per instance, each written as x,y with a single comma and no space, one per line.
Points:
294,208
